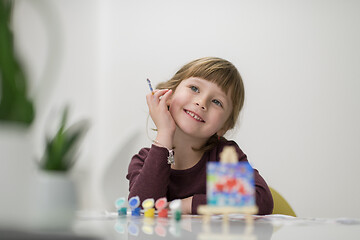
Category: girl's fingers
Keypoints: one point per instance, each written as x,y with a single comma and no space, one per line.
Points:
150,97
159,93
166,96
159,96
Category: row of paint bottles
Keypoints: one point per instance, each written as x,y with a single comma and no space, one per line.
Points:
148,206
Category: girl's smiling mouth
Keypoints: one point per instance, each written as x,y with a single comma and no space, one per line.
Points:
194,116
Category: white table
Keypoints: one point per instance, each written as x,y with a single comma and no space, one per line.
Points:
273,227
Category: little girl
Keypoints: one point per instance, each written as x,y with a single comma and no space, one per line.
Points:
192,111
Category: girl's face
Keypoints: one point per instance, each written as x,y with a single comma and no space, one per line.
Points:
200,108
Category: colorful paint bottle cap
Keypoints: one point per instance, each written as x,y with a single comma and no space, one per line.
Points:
135,212
134,202
120,202
163,213
148,203
175,205
177,215
161,203
149,212
122,211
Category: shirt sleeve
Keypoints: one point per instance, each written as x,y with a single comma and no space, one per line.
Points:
263,196
198,199
148,173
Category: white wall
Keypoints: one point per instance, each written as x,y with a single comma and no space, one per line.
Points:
59,46
299,61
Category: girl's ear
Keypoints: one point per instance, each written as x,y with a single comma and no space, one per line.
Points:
168,102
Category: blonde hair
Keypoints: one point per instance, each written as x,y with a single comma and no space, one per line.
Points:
219,71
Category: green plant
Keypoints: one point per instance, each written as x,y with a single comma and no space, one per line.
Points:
61,149
15,106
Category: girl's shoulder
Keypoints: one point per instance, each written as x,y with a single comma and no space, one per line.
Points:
223,142
215,152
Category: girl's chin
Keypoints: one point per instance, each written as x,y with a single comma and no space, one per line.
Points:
194,133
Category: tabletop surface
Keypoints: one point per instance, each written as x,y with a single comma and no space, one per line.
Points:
111,226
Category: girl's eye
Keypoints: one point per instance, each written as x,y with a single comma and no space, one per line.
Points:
195,89
217,102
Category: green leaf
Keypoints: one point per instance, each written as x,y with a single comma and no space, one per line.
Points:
15,106
60,150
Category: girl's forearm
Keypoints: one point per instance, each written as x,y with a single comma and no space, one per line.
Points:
165,139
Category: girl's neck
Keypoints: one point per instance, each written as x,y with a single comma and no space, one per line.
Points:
185,155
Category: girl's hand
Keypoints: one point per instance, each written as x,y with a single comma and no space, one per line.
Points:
186,204
161,116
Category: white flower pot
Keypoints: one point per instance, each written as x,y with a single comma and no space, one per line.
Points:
17,171
55,201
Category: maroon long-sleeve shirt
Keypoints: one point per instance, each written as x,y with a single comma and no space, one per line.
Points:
150,176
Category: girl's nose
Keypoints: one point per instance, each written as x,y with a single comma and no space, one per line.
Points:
202,106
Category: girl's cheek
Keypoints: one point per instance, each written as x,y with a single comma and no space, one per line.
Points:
171,110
